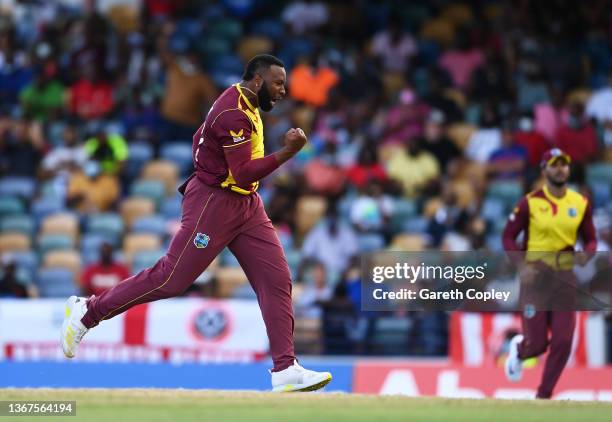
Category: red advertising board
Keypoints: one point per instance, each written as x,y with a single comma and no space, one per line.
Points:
447,380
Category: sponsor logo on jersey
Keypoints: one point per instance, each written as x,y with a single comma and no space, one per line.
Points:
237,136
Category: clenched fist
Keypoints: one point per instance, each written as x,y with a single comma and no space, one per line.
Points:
294,140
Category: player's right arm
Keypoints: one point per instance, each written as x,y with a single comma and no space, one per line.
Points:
517,222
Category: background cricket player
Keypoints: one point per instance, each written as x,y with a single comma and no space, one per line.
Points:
552,218
221,208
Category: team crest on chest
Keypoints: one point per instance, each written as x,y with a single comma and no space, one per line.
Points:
201,240
572,212
237,136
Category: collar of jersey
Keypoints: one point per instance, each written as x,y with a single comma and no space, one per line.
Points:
246,100
551,196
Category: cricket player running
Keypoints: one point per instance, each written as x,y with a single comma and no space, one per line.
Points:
551,218
221,208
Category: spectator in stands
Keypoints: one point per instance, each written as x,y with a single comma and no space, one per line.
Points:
487,138
91,97
414,168
600,102
68,157
316,291
404,121
311,81
509,161
438,144
103,274
109,150
462,60
394,47
14,71
323,174
367,168
92,190
14,283
578,137
447,217
21,147
188,92
535,143
332,242
43,98
371,211
305,16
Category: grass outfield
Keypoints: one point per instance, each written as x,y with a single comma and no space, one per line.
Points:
135,405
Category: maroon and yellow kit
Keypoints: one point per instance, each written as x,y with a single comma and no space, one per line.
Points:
228,148
550,224
220,209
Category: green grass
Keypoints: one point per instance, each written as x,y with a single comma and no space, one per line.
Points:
135,405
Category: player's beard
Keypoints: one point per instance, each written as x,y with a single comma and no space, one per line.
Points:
263,98
556,182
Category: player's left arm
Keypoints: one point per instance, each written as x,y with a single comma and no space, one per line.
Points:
586,230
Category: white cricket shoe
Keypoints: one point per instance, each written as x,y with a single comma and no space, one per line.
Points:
295,378
73,329
514,366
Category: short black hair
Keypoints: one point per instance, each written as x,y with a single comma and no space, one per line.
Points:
258,63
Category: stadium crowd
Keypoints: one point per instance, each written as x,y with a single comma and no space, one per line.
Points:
426,123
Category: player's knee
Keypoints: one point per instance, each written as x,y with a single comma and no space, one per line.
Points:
563,343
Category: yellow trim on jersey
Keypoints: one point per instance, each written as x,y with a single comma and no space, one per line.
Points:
246,100
235,145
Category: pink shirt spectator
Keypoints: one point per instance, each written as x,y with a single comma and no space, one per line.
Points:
461,64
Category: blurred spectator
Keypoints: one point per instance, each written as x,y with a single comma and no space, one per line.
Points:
507,162
549,116
14,283
332,242
68,157
305,16
311,83
534,142
447,217
91,190
21,147
316,291
438,144
578,137
461,61
367,169
108,149
414,168
404,121
104,274
371,211
323,174
91,97
15,73
188,91
599,105
487,138
43,98
394,46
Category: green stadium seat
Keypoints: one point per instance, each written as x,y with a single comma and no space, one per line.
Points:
17,224
54,242
151,189
10,205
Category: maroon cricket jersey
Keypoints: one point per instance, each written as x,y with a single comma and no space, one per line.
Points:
228,149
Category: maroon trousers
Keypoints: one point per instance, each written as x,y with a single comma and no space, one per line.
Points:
536,340
213,218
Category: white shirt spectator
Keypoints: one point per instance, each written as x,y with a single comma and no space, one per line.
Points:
395,56
62,155
599,105
334,251
482,143
303,16
368,213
